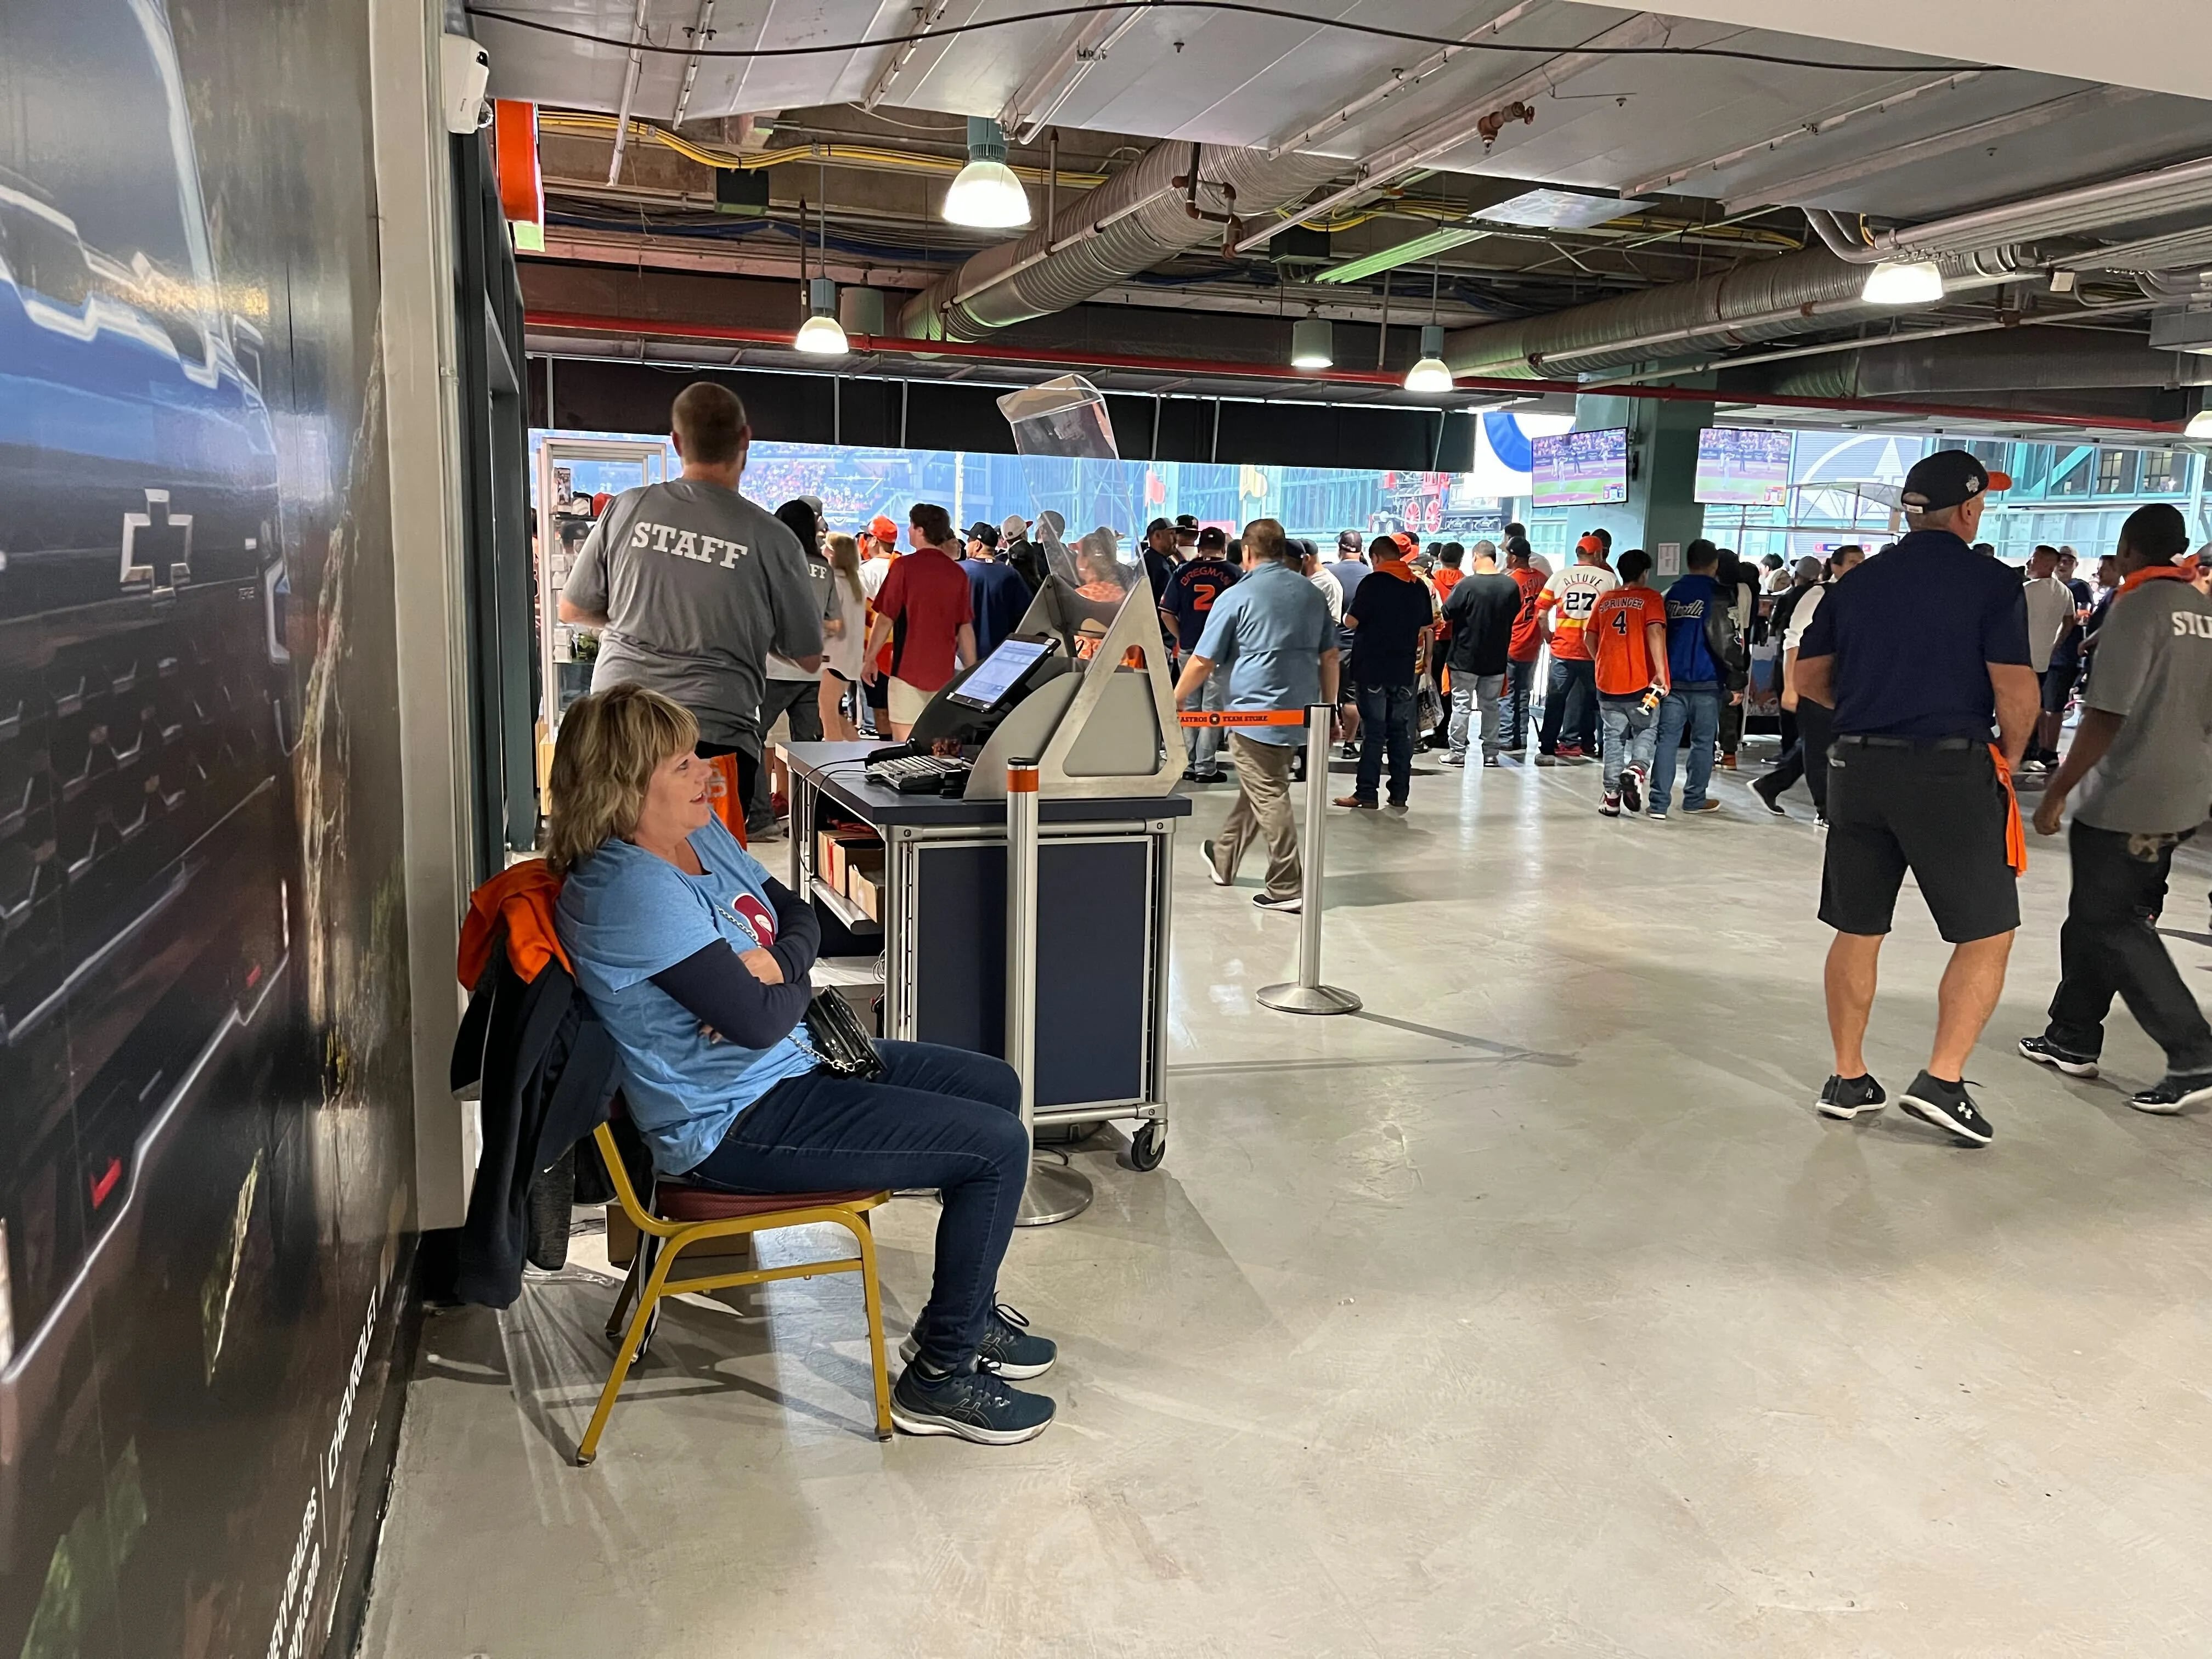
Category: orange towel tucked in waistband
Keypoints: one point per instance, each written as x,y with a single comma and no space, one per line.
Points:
2015,837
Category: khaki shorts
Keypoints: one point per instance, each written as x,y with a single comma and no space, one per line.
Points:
906,702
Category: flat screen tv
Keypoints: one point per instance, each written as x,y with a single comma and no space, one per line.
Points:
1581,469
1742,467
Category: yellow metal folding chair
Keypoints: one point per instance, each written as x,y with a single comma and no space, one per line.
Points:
683,1216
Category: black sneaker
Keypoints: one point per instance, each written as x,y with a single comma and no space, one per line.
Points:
1489,760
1948,1107
1007,1349
2173,1092
972,1404
1212,870
1632,787
1847,1096
2046,1052
1763,787
1289,906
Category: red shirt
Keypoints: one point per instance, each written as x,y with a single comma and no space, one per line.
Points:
1442,584
1528,642
926,596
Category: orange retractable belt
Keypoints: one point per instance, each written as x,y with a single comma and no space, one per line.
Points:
1209,717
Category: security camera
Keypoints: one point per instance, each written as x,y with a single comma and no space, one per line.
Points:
465,68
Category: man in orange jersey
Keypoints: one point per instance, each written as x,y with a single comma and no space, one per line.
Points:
1627,637
1570,729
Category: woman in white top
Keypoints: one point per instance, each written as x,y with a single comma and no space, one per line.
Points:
844,638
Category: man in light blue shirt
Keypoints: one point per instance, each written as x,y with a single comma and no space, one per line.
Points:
1272,632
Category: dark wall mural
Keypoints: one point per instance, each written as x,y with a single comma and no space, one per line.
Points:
202,1174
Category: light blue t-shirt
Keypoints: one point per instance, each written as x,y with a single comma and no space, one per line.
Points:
1269,631
624,916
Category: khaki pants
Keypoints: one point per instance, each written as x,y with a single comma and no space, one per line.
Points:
1262,808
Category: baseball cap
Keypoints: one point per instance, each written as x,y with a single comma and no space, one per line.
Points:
1186,521
1589,544
986,533
1214,536
1014,526
1347,541
1157,526
1947,478
814,501
1402,542
1809,569
883,529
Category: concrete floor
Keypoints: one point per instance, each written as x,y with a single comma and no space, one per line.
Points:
1533,1310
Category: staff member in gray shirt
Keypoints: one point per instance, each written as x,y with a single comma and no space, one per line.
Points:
1273,634
691,586
2143,759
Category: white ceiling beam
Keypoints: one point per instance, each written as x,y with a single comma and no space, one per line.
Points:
925,18
2159,46
1043,94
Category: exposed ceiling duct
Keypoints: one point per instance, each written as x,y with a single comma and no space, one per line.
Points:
2044,360
1137,218
1770,299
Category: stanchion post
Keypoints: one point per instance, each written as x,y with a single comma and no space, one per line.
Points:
1055,1192
1309,995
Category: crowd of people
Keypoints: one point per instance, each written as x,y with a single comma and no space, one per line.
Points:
1916,684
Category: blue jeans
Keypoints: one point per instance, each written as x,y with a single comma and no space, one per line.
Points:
1202,743
1520,687
937,1117
1698,709
1630,729
1569,706
1386,713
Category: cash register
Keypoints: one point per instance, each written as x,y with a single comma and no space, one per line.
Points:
937,758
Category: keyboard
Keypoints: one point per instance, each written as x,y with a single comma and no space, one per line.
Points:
920,774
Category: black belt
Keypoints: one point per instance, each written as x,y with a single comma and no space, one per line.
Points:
1858,741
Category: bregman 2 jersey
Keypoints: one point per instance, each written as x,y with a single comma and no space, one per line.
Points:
698,585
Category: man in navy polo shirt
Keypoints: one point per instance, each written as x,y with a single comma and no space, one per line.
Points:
1918,651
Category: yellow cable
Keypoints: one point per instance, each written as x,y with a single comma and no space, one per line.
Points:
900,159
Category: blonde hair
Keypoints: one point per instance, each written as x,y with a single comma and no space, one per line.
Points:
845,560
610,743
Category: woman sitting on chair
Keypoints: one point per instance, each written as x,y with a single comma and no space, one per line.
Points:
695,960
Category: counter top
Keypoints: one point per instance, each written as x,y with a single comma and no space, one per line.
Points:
835,769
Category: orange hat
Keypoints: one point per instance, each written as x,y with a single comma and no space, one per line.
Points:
1403,542
1589,544
883,530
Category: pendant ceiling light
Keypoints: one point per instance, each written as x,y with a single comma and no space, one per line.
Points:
1312,341
986,195
1903,283
1431,373
820,335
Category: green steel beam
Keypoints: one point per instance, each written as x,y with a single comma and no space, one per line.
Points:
1403,253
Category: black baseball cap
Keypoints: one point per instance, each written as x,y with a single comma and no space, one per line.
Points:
1157,526
1212,536
1946,478
1347,541
1186,521
986,533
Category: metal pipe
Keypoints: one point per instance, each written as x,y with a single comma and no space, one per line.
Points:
701,33
1802,129
1431,142
925,19
1054,1192
1032,113
1307,994
1400,80
628,91
2165,190
1806,186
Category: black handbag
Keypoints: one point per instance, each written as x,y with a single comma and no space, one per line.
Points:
836,1036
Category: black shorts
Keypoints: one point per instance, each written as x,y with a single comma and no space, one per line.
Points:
1940,813
879,690
2058,685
